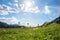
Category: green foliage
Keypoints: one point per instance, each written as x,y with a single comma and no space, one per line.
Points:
52,32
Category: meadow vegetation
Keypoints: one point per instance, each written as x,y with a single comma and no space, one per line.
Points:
51,32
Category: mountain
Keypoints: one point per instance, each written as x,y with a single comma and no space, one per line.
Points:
14,26
55,21
3,25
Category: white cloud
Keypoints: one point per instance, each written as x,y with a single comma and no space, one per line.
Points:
12,20
16,4
5,10
26,6
1,7
16,0
47,10
30,7
2,12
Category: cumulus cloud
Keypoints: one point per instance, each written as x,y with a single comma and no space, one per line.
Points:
16,4
16,0
26,6
4,9
11,20
46,9
51,9
3,12
29,6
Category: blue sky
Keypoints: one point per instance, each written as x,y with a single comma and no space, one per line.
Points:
29,11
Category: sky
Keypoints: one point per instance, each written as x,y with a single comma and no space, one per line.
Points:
29,11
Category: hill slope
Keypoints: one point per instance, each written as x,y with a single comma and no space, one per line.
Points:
57,20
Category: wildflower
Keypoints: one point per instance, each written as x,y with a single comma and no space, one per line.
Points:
35,28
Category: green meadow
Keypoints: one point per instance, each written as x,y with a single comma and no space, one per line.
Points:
50,32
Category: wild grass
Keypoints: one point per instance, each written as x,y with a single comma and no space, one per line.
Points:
51,32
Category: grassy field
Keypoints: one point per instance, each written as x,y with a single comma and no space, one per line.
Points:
51,32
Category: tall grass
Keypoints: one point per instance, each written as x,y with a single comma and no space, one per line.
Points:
51,32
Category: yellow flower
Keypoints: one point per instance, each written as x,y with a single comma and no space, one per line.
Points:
35,28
